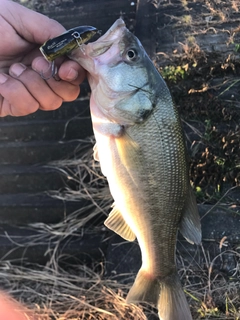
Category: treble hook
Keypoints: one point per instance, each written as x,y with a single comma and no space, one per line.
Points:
54,72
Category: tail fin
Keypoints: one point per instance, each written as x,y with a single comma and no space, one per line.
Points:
167,294
172,303
144,289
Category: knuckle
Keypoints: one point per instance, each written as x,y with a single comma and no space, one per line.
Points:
54,104
34,107
26,109
72,94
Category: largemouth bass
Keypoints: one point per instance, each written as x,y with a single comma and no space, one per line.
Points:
141,149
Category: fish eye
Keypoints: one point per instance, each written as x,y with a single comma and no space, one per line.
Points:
132,54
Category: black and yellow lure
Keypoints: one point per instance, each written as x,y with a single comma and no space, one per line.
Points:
65,43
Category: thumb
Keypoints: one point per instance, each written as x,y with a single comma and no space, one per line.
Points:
30,25
12,310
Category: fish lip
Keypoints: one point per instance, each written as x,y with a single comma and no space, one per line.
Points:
113,30
112,36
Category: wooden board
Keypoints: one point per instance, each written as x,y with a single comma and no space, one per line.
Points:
100,14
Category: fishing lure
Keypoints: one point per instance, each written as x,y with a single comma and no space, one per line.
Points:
65,43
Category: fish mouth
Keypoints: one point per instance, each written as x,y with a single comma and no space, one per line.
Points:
113,32
112,36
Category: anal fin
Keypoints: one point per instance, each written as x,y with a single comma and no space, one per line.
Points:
190,225
116,222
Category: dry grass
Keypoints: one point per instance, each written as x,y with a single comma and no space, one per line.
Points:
61,290
79,293
213,294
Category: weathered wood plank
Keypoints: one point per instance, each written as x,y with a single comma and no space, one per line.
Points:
46,130
17,244
25,208
68,110
100,14
146,25
25,179
36,152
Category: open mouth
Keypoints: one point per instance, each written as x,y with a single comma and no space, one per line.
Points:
104,43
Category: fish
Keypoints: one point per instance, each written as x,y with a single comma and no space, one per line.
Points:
141,149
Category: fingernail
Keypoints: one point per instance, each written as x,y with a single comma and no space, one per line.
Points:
3,78
17,69
40,65
72,74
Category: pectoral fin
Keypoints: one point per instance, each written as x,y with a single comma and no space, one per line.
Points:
116,222
129,152
190,226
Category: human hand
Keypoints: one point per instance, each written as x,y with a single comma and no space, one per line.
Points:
22,89
12,310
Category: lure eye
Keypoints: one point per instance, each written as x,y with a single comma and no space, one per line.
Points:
132,54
